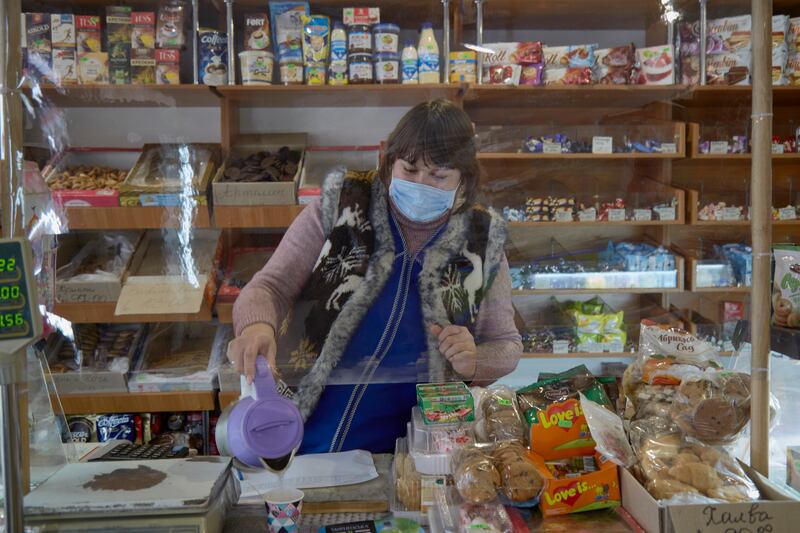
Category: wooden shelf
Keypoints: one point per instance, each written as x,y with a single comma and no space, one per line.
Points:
267,216
731,290
555,292
164,96
630,223
579,355
336,95
627,96
735,96
694,208
568,14
227,398
120,218
137,402
98,313
506,156
224,312
793,157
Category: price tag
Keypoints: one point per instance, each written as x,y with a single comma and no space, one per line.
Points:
602,145
777,148
588,215
616,215
563,216
551,147
615,346
669,148
719,147
727,346
666,213
787,213
560,346
730,213
642,214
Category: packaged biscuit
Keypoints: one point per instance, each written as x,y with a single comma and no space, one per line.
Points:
786,286
727,35
556,56
445,403
501,419
793,36
656,65
792,71
780,29
729,68
475,475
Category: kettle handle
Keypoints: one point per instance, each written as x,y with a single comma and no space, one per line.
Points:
264,381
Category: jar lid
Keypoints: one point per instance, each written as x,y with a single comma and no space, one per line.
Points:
386,56
360,57
427,25
386,27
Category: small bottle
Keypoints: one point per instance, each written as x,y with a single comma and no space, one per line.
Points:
410,64
428,53
337,69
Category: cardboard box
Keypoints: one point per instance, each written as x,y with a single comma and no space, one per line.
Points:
168,67
143,66
69,290
121,158
777,511
62,28
93,68
39,46
361,15
263,193
320,160
157,282
65,67
589,492
91,380
143,34
88,32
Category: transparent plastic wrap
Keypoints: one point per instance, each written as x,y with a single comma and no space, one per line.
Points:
454,515
608,433
501,419
431,445
407,484
475,474
520,481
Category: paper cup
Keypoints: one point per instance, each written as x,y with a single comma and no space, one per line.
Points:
283,509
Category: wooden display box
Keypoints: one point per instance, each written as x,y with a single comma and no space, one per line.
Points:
776,511
137,191
120,158
260,193
320,160
694,137
77,291
151,288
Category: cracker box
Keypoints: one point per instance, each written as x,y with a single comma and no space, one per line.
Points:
143,66
62,29
168,67
65,67
88,32
445,403
587,492
93,68
143,31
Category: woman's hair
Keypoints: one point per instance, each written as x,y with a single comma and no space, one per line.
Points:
439,133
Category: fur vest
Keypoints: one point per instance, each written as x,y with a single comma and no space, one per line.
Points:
353,267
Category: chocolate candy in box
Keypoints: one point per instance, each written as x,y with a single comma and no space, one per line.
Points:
445,403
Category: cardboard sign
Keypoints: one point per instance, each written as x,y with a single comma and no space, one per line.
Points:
560,346
718,147
602,145
588,215
551,148
563,216
734,517
787,213
730,213
669,148
616,215
642,214
666,213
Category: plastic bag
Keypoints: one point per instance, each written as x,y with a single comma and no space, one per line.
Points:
713,407
671,466
502,420
608,433
786,282
100,259
474,473
521,482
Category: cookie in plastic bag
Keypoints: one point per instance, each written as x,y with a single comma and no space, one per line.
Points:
521,481
502,420
476,478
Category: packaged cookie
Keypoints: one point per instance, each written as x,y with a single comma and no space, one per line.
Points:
786,286
501,419
521,482
730,34
475,475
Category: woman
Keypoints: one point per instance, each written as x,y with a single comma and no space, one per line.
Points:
395,277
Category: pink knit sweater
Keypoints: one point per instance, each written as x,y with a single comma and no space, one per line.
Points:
269,295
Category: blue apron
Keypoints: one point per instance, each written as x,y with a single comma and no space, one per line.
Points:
367,402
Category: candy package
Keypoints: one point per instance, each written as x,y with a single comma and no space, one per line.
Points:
689,52
556,56
501,420
730,34
608,433
620,56
581,55
568,76
792,71
786,286
656,65
503,74
287,27
729,68
793,37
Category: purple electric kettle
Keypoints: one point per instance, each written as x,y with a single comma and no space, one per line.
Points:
261,432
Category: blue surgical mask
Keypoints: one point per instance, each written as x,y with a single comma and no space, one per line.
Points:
419,202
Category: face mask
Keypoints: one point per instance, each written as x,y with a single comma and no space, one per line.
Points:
420,203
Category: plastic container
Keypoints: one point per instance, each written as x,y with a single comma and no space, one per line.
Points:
292,70
428,53
359,40
256,67
395,505
338,42
387,68
359,69
432,446
386,38
410,64
452,515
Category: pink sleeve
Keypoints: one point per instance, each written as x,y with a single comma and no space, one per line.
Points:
272,291
498,342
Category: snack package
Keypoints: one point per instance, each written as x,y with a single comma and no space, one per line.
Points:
786,286
503,74
730,34
568,76
780,29
792,71
389,524
287,27
714,407
513,53
521,481
118,426
475,475
656,65
608,433
213,53
553,410
620,56
316,39
583,55
793,37
780,56
670,466
488,518
170,26
689,52
556,56
407,479
729,68
445,403
501,418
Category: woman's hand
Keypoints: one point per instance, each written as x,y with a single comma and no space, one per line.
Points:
255,340
457,345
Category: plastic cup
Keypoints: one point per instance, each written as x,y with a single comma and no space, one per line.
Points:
283,509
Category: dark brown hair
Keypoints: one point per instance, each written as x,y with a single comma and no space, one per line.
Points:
439,133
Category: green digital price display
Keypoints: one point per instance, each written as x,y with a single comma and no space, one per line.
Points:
15,302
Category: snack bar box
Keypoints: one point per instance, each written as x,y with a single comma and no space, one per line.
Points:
120,158
103,289
259,193
89,380
320,160
167,175
776,511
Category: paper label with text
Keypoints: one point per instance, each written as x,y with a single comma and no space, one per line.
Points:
588,215
602,145
616,215
642,214
719,147
560,346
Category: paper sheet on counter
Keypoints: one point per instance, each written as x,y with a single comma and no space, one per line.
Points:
312,472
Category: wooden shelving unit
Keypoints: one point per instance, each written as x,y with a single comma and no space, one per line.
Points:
505,156
268,216
103,312
124,218
694,149
168,97
138,402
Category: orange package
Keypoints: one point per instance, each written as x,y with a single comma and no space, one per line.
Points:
566,493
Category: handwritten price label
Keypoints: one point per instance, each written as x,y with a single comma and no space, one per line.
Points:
602,145
588,215
787,213
563,216
551,148
666,213
777,148
730,213
560,346
762,517
642,214
719,147
669,148
616,215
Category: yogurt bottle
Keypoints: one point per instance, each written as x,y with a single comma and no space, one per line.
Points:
337,69
428,53
409,64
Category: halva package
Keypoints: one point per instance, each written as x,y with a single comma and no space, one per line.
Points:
786,286
256,31
213,52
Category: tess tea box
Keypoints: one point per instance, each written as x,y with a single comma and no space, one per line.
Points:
143,35
168,67
87,28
